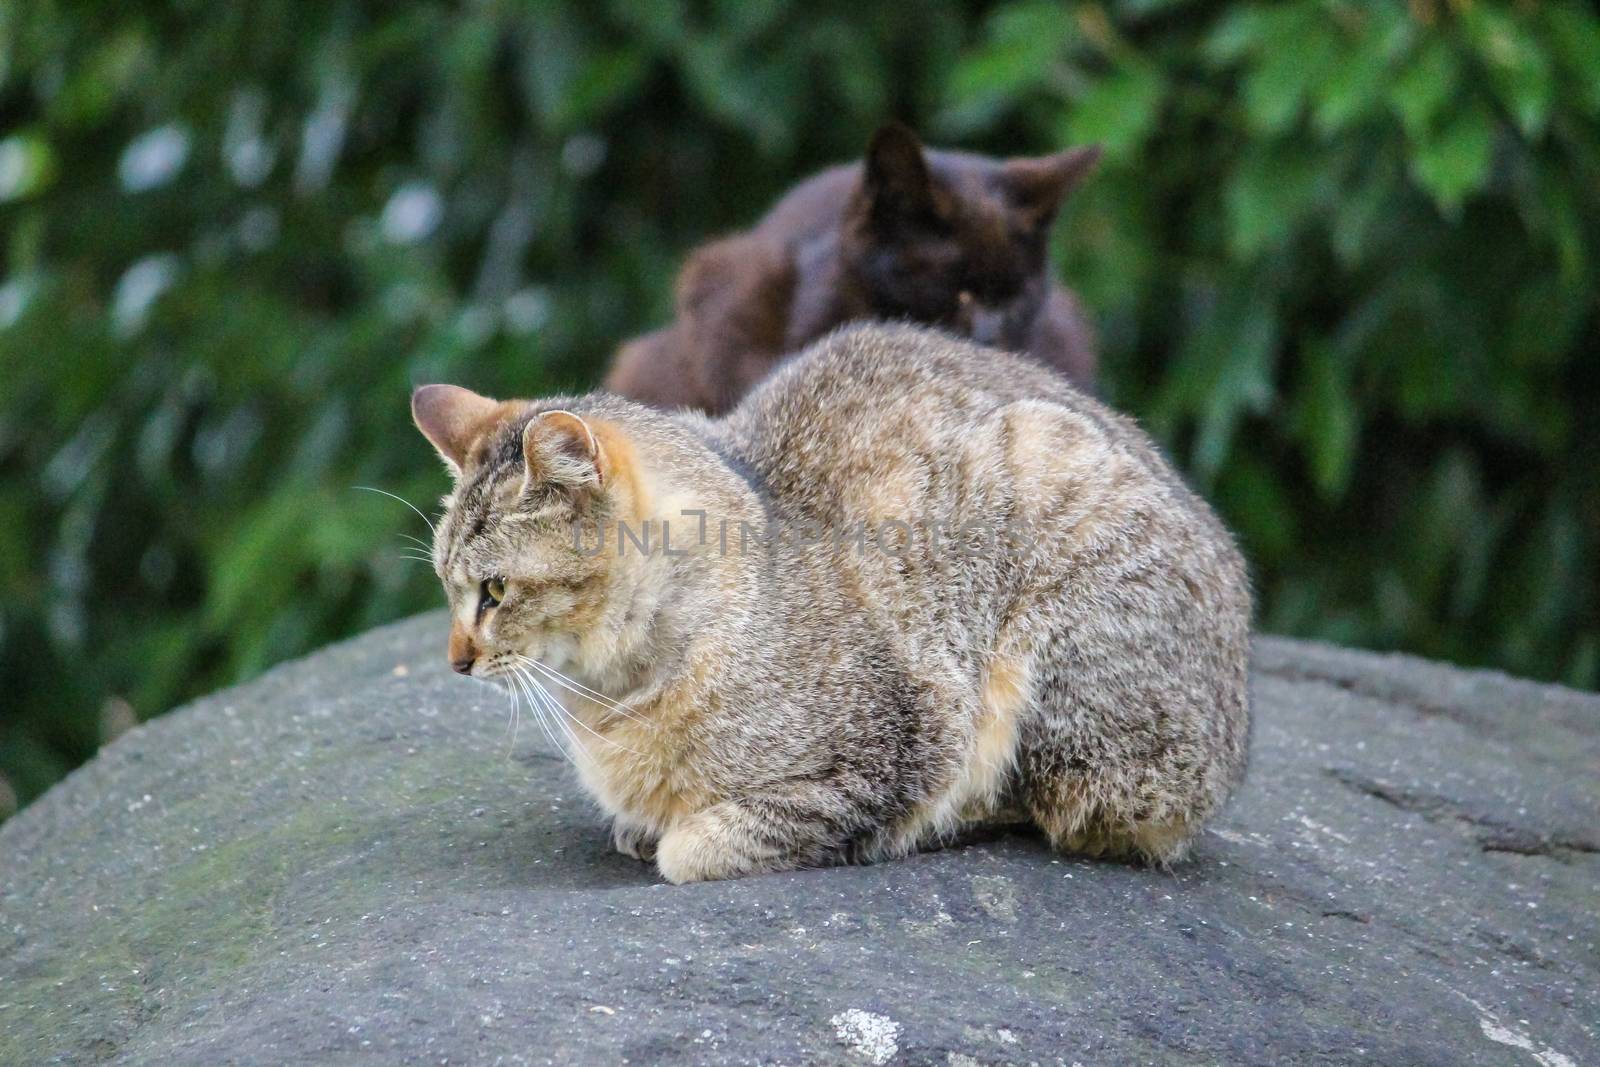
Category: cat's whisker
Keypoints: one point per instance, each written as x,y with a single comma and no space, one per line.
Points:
520,679
536,714
516,720
404,501
541,696
511,718
574,683
566,716
578,687
551,674
555,727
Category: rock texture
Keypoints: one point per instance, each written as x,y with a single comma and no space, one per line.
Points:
352,858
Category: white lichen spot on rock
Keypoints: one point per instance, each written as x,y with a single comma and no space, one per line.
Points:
996,896
926,927
1501,1034
1504,1035
874,1037
1317,828
990,1035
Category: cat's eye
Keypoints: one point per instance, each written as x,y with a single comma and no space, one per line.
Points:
494,591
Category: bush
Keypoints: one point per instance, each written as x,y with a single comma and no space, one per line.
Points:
1342,255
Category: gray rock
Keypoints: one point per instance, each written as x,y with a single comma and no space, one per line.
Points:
351,856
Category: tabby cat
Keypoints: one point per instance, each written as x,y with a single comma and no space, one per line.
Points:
906,588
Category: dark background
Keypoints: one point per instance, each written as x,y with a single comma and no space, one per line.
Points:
1343,258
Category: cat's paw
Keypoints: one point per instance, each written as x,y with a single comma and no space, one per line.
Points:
687,857
701,848
722,841
633,840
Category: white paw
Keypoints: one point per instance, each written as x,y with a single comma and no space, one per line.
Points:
696,849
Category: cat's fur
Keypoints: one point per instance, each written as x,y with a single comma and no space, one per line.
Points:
946,239
809,701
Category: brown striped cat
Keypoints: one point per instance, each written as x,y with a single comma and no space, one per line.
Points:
988,599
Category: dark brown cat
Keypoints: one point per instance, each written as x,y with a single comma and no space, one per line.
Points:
948,239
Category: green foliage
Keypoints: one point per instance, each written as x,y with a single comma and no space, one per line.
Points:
1343,255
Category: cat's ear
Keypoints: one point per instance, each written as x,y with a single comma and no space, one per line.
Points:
895,180
560,449
451,418
1036,187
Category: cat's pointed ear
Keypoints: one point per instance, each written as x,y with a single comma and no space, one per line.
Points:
451,418
1036,187
560,449
896,181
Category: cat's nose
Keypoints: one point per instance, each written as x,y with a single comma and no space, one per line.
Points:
461,650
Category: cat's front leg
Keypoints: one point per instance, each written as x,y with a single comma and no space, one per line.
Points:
633,839
712,844
736,838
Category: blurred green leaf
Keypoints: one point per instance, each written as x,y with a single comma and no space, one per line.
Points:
1425,86
662,24
1518,68
1358,212
1022,43
751,96
1237,34
1222,371
1298,50
1455,161
1452,490
1119,112
1328,421
27,166
1574,34
1271,191
1256,499
1549,202
606,79
1358,83
111,71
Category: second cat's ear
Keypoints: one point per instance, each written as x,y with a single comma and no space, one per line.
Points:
895,180
1036,187
451,418
560,449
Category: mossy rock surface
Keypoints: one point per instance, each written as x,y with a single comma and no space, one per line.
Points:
350,859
